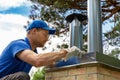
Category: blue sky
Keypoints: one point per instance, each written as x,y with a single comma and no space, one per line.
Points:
13,16
19,10
15,7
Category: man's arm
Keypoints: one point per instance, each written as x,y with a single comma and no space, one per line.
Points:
38,60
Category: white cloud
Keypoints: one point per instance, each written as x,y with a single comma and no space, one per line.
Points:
4,5
12,25
11,28
8,21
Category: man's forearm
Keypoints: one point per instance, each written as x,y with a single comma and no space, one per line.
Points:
48,58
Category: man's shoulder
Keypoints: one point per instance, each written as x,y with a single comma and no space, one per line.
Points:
18,41
21,43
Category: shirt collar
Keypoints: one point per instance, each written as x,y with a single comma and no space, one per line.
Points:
28,42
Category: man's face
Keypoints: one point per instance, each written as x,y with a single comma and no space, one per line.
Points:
41,37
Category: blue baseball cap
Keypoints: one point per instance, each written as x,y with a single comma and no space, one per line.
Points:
40,24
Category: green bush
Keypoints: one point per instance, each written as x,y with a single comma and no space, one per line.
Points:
39,75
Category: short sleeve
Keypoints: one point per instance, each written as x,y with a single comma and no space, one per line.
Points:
18,46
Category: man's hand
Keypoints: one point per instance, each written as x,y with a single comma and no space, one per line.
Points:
74,51
64,51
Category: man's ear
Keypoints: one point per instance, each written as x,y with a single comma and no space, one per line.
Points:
34,30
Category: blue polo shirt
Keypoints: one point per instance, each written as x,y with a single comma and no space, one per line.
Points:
9,63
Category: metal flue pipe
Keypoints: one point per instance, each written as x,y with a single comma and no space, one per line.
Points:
94,26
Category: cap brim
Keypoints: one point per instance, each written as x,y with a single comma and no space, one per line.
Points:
51,31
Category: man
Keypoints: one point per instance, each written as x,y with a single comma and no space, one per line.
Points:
20,55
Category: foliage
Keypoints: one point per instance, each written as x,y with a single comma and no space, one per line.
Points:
109,7
39,74
53,12
115,53
113,36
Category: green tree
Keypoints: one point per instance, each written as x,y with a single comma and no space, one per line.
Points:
109,7
115,53
53,12
113,36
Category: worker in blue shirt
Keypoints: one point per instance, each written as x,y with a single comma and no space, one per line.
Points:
20,55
